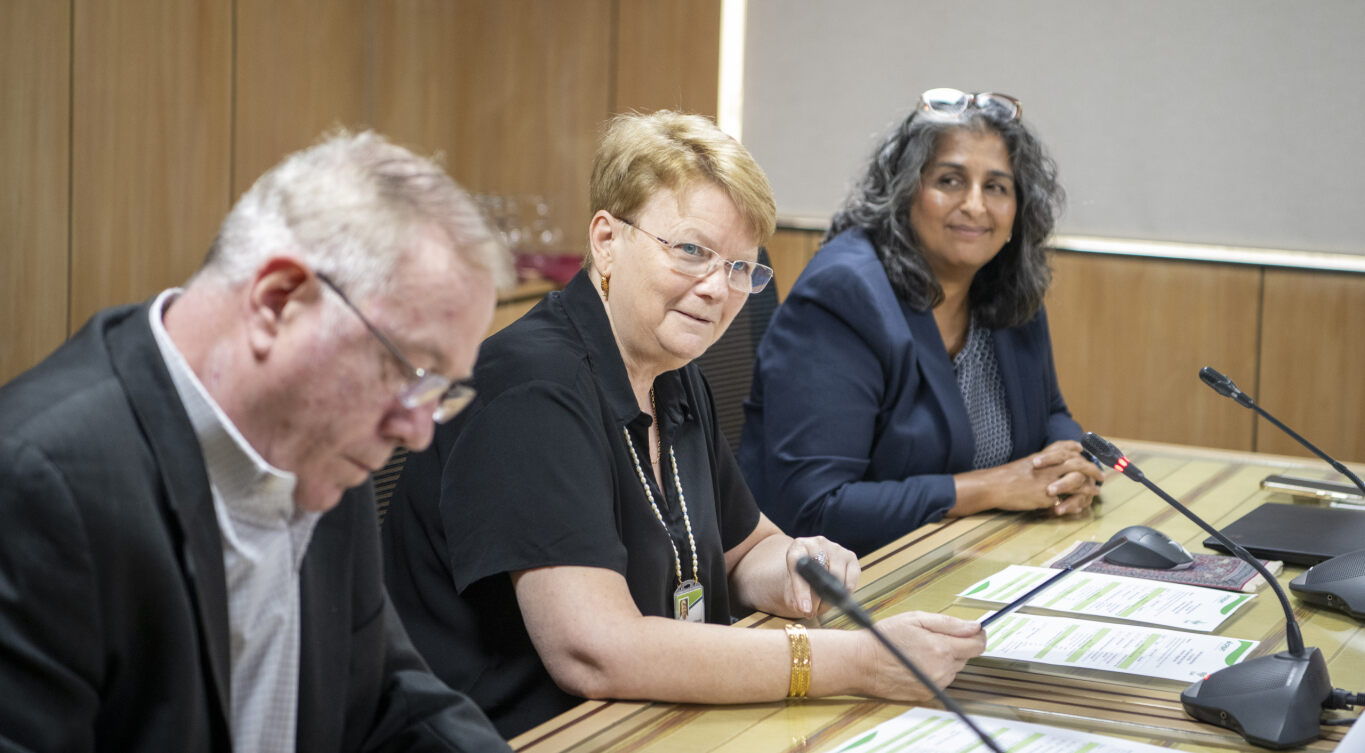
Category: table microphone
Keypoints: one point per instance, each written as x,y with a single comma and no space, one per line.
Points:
1337,583
830,590
1274,701
1225,387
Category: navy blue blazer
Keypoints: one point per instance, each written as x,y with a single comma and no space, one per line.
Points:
855,424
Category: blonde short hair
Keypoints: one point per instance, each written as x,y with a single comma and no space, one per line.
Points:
642,153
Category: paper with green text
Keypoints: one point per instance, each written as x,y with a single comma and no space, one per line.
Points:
1114,597
1086,644
934,731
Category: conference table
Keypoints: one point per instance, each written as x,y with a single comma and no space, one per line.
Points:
926,568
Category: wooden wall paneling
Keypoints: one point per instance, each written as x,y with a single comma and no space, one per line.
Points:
1313,362
790,251
1129,336
414,67
531,93
150,145
35,91
300,70
668,56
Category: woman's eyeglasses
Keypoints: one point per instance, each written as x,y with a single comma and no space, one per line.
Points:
696,260
424,387
950,104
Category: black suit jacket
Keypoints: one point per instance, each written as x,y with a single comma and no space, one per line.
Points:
113,602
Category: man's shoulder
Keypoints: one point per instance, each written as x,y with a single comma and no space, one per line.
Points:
72,409
68,390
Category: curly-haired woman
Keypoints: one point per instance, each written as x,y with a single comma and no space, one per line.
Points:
909,373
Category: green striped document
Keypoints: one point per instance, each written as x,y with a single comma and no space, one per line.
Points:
1111,597
1127,649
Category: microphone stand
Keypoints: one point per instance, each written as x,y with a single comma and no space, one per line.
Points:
828,588
1274,701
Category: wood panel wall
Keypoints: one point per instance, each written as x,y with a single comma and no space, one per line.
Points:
1130,334
533,88
789,251
35,151
653,52
301,68
1313,362
130,126
151,99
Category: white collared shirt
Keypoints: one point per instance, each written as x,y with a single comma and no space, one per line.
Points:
264,540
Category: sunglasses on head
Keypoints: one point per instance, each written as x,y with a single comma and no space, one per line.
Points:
950,104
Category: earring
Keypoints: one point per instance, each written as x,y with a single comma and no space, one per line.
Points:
606,287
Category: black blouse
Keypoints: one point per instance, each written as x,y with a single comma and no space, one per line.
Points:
538,473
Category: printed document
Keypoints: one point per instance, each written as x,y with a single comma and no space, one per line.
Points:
1129,649
1112,597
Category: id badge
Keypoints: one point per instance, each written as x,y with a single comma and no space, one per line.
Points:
689,604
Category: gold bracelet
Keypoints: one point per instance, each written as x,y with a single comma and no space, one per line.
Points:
800,648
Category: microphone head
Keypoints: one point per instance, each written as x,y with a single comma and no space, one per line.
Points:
1225,387
1220,384
1103,450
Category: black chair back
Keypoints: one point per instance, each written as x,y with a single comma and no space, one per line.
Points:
385,479
729,364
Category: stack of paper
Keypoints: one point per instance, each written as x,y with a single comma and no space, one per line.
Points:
1085,644
1102,644
1112,597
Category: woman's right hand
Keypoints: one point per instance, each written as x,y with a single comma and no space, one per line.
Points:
938,644
1059,477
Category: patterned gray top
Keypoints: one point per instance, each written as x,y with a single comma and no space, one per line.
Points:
983,392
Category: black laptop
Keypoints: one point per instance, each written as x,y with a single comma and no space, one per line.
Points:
1297,534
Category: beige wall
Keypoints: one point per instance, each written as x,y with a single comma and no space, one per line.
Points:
130,125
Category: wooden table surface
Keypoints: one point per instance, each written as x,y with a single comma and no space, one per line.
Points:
926,569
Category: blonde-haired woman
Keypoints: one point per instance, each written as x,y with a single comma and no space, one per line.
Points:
583,531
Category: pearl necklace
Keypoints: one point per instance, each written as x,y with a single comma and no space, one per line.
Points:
687,522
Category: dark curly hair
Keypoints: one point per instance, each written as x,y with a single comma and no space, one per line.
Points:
1009,290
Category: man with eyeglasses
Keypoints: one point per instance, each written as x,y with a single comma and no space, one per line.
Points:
189,560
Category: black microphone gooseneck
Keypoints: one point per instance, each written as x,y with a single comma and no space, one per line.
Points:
1225,387
1111,456
830,590
1274,701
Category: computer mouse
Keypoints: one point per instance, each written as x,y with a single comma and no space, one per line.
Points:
1148,548
1338,583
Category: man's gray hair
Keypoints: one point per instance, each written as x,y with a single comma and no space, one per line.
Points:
349,207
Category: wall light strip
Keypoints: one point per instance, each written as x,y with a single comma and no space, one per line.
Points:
1329,261
730,108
